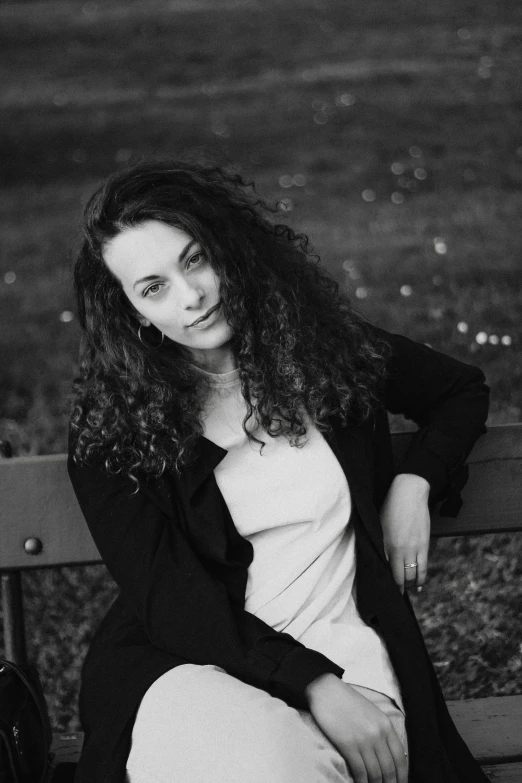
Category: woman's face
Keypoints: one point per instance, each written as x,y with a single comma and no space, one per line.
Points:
168,278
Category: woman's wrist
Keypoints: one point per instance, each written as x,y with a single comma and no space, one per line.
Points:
321,685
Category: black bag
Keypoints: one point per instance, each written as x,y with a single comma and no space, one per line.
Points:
25,729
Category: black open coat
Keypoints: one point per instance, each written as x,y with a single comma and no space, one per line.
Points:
181,566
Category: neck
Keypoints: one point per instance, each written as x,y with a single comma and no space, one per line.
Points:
218,360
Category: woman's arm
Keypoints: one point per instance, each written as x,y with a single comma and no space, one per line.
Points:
183,608
446,398
405,520
449,401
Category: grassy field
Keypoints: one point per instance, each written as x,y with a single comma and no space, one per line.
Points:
388,132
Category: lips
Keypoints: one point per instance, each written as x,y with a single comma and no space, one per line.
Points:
207,315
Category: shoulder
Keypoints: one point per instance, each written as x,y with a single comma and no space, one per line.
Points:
406,355
98,487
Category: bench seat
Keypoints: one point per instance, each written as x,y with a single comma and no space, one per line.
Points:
492,728
505,773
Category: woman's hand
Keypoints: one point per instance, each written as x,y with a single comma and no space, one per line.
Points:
363,735
405,521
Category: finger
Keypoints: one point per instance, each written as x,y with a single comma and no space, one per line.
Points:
399,756
410,566
356,767
373,766
387,765
422,568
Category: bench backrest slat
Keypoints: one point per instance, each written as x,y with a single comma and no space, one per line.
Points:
37,500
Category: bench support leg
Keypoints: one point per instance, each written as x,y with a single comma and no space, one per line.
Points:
13,614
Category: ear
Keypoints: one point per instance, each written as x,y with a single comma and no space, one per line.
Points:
143,321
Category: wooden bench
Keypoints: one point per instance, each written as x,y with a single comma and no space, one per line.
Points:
41,526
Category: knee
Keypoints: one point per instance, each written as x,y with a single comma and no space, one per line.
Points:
199,723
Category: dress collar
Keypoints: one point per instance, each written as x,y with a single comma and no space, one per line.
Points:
208,455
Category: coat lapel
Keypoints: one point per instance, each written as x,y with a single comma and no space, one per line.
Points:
210,525
353,448
204,503
207,456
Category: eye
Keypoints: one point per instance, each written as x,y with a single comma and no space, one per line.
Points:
152,290
196,258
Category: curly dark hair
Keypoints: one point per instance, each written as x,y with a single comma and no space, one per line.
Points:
300,346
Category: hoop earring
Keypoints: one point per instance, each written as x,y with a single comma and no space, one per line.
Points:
147,345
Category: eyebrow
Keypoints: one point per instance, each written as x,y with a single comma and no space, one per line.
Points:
181,258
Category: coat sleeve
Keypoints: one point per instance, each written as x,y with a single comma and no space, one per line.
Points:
183,607
448,400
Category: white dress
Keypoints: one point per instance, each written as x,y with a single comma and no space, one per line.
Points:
293,505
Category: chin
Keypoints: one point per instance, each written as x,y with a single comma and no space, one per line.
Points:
213,339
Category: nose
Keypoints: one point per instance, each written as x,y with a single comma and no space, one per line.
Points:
190,295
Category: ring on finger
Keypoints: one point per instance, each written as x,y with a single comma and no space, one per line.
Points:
410,565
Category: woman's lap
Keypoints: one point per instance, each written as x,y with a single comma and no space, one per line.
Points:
198,724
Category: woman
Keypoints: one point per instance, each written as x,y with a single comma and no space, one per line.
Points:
231,453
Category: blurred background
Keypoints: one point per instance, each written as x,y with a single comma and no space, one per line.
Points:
389,132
